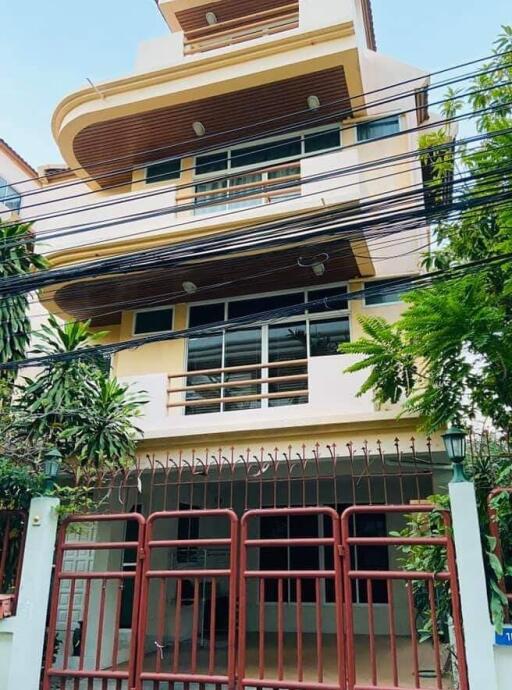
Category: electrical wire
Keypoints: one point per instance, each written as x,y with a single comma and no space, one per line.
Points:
413,80
83,228
268,146
261,318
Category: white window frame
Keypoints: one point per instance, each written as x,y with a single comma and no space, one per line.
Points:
160,308
171,181
369,120
321,316
275,161
321,566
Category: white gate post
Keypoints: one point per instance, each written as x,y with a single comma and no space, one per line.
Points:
23,635
478,629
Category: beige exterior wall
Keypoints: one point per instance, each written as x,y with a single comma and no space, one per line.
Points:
330,33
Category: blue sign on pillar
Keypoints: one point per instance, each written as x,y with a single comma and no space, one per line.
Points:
504,639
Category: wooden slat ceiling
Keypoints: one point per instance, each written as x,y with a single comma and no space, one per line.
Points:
138,139
195,18
103,300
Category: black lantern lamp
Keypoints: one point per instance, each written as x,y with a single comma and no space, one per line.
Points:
51,464
455,445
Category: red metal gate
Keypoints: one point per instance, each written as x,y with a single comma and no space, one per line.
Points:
285,606
309,607
399,660
186,579
83,649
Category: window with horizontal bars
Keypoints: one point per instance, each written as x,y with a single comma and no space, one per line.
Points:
261,186
311,333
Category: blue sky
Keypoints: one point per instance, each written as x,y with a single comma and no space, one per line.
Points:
50,48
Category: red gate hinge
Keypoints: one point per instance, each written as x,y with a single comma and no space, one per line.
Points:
341,550
142,553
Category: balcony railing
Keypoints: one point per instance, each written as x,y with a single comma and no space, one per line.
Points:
241,387
242,29
245,189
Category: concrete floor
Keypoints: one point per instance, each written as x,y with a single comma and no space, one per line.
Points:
310,670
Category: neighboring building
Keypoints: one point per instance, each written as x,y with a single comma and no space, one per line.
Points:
17,178
245,113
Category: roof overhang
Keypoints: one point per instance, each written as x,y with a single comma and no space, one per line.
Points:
268,269
128,119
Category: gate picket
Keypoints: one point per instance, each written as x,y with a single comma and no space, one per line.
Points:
88,656
186,592
290,602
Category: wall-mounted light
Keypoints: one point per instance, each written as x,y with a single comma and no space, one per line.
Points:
189,287
316,263
313,103
318,269
199,128
211,18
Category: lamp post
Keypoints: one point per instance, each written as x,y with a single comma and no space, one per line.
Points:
455,444
51,464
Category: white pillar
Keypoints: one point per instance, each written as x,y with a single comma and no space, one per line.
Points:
478,629
27,628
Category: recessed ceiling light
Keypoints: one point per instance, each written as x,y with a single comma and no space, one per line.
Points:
313,102
189,287
211,18
199,128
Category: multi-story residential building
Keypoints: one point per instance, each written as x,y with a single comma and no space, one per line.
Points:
276,116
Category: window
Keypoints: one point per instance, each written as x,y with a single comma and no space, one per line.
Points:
320,141
314,558
375,129
166,170
312,333
249,191
379,296
129,564
362,557
153,320
9,196
290,557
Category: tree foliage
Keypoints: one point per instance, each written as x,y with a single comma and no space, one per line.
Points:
17,257
74,406
449,357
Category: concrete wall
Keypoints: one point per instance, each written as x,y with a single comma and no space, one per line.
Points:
22,636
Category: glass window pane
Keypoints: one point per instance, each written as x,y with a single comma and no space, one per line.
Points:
242,348
326,335
378,128
153,321
204,353
3,188
319,141
385,296
287,342
267,151
211,162
203,203
167,170
304,557
248,196
246,307
12,199
325,293
204,314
